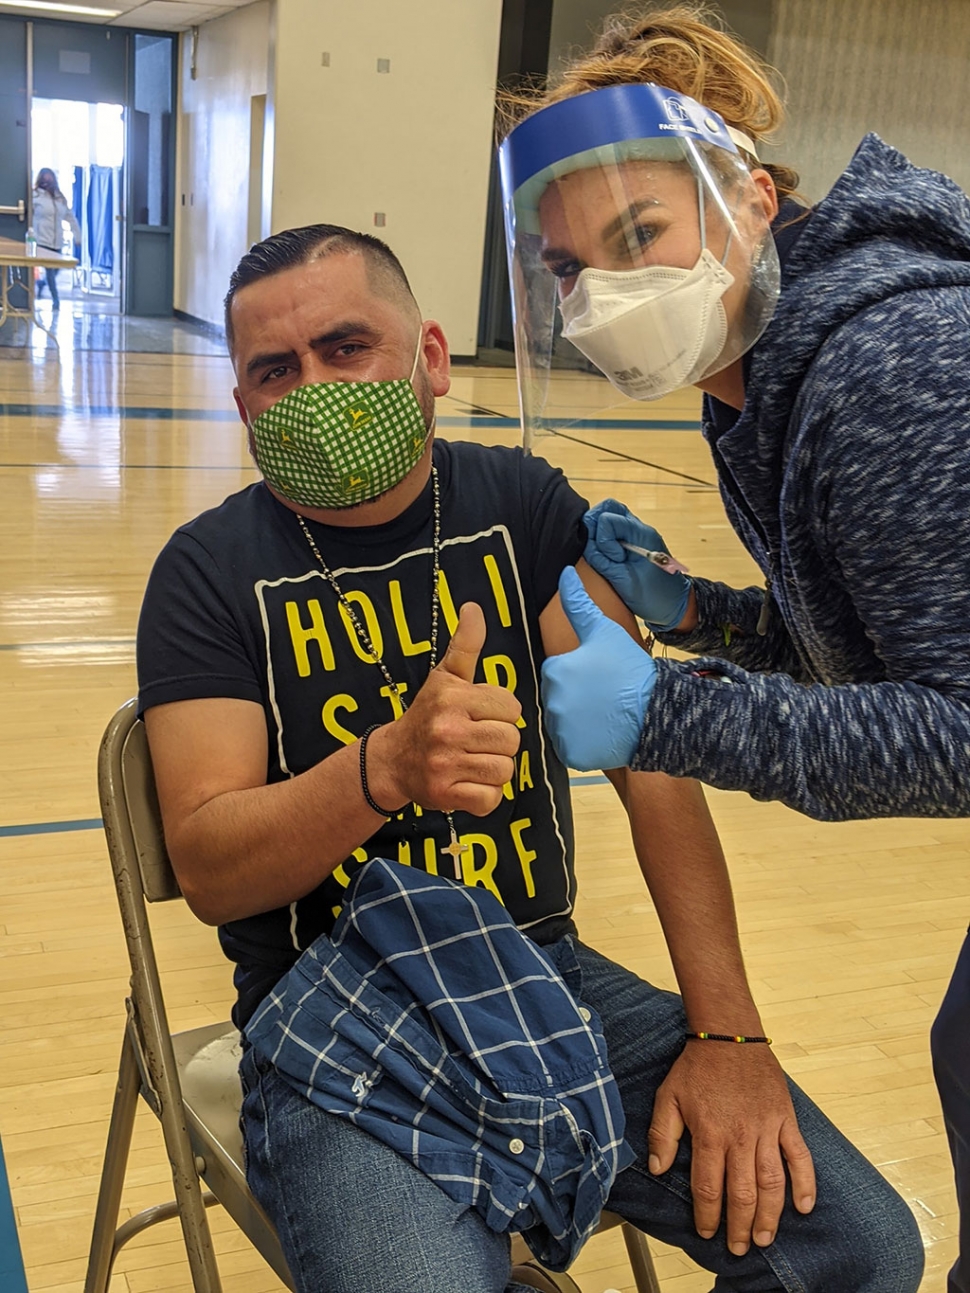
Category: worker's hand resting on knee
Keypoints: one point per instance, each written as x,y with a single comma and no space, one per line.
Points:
734,1101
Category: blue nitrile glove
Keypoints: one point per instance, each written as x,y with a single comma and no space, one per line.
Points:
657,596
595,697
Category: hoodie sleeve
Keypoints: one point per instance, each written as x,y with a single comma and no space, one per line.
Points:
888,409
727,627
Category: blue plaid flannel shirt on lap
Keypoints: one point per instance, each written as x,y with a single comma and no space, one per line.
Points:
430,1021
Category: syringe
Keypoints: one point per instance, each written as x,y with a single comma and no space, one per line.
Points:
662,559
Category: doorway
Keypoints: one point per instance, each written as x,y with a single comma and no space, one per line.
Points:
84,144
95,104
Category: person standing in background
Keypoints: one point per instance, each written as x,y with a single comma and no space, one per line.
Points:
50,212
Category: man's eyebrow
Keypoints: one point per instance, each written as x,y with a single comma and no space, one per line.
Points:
269,360
352,328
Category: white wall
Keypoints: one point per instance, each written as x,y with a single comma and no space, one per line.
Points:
893,66
213,186
414,143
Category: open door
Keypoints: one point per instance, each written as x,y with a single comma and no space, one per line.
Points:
78,93
14,138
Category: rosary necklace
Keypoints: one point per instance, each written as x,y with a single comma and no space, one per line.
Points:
454,848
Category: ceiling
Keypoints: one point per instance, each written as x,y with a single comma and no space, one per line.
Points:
156,15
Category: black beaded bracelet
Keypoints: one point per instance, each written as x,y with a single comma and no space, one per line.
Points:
727,1037
371,802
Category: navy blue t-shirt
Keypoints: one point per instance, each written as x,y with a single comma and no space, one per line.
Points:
237,606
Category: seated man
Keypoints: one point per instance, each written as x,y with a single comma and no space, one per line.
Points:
303,718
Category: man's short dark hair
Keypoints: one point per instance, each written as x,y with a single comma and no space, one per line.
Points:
294,247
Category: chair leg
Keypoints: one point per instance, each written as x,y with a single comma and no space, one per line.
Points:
113,1173
641,1261
107,1238
188,1189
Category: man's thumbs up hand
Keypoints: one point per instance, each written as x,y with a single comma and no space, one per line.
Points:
595,698
453,748
461,658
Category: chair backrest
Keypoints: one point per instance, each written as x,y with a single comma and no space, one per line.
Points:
126,780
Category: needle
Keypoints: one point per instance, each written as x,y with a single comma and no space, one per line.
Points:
662,559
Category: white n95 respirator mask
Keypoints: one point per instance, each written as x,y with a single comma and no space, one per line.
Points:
650,330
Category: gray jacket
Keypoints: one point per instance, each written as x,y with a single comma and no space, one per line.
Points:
49,216
847,477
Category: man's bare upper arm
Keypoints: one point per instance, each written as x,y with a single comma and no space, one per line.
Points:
203,748
557,633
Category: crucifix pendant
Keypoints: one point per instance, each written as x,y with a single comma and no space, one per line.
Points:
455,849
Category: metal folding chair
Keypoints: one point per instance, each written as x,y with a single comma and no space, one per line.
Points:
189,1080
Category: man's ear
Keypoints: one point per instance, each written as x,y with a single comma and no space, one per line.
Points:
240,406
437,360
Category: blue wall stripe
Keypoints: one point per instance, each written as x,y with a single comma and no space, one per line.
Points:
229,415
12,1278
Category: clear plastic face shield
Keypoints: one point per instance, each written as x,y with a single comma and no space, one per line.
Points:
637,237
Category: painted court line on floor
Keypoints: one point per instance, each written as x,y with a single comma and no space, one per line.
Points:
230,415
150,466
12,1277
95,823
52,828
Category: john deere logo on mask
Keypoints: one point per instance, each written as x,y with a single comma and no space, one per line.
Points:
355,483
359,416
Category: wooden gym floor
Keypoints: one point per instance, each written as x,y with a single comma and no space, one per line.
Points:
850,930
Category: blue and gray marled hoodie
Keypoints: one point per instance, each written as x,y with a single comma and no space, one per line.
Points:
847,477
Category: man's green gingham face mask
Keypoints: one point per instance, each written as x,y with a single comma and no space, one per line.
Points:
335,444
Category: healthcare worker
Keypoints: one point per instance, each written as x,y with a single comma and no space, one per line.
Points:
833,347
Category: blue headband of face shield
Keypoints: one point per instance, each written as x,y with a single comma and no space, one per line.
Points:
620,122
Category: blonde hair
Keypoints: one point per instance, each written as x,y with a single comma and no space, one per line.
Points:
684,48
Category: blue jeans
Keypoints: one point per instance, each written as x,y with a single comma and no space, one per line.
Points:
354,1217
950,1044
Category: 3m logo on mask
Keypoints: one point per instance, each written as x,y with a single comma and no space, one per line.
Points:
628,374
359,416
